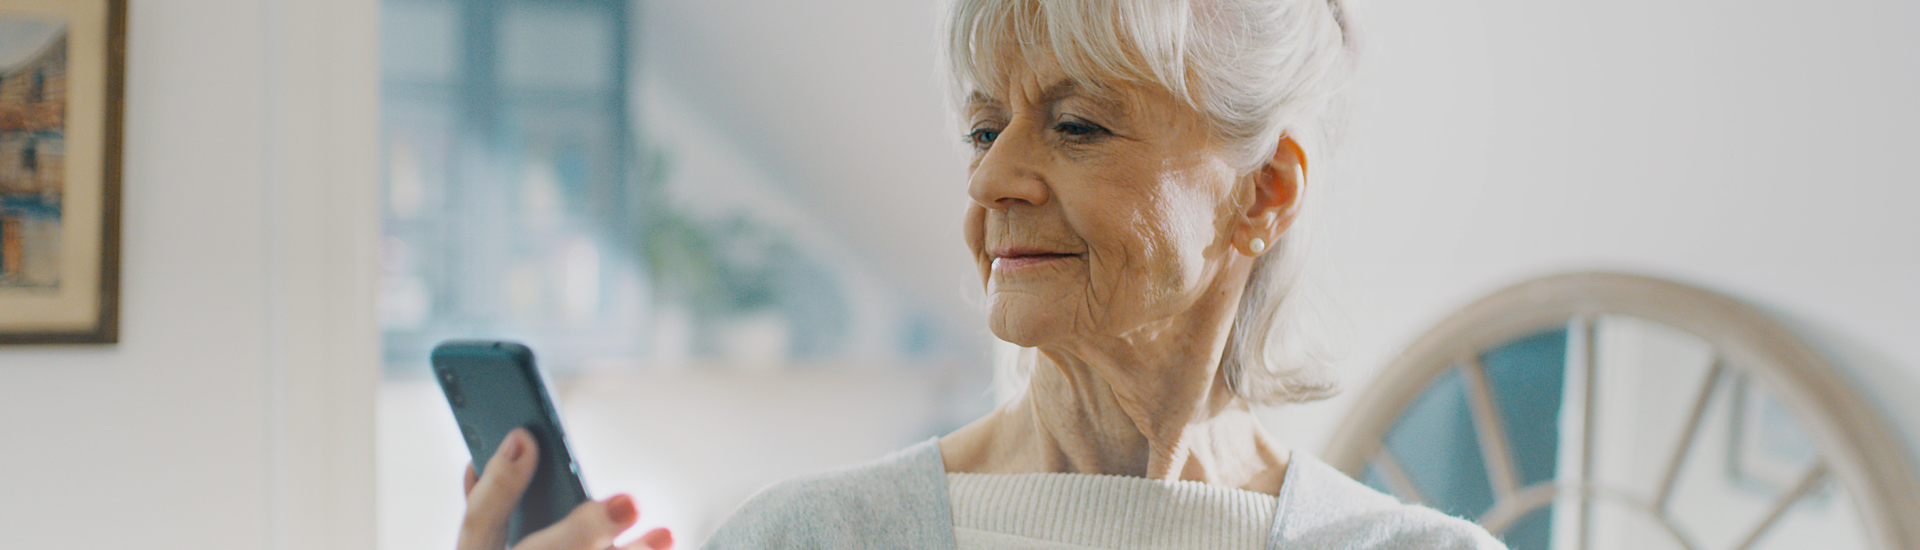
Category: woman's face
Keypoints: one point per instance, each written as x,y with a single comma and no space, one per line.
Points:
1096,215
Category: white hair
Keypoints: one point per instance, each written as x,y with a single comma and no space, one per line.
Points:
1257,70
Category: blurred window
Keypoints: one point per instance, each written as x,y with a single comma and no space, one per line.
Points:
510,204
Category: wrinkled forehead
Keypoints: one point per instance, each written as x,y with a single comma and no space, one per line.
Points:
1031,94
1037,81
1097,45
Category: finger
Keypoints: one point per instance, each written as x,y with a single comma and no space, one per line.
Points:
591,526
657,539
470,479
498,490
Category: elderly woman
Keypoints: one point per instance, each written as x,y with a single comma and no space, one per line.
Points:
1138,182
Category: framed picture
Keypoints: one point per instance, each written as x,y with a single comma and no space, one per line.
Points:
62,69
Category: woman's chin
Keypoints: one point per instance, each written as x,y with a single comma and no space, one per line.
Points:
1018,339
1026,325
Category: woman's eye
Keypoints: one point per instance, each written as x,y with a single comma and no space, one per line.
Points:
982,138
1077,129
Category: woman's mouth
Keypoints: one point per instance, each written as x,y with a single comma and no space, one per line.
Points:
1016,258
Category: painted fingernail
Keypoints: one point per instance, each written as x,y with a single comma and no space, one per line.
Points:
620,509
516,446
658,539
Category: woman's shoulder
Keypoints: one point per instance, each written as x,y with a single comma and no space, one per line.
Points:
896,483
897,498
1320,507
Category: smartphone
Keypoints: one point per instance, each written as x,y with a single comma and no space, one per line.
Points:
494,387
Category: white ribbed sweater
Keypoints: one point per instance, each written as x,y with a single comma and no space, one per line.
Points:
901,502
1084,511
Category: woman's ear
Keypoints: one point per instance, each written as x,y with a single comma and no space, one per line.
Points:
1277,186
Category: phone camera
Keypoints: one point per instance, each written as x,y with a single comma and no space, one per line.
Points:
452,387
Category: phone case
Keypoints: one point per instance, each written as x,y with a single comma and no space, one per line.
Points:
494,387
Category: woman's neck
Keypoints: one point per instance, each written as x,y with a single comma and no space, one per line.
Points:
1160,417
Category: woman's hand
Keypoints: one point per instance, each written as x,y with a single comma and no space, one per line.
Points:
492,497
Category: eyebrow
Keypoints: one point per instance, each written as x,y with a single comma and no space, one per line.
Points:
1058,91
1053,93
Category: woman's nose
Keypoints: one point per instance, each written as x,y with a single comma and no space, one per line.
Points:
1010,173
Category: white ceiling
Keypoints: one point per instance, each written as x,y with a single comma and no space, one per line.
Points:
839,99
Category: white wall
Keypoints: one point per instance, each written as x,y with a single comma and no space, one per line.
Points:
236,410
1764,149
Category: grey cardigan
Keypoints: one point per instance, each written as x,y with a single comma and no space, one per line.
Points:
900,501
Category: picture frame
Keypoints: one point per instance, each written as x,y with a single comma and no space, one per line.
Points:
62,80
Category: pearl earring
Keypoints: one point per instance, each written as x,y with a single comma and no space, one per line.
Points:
1256,245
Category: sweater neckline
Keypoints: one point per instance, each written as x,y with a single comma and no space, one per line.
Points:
1048,510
